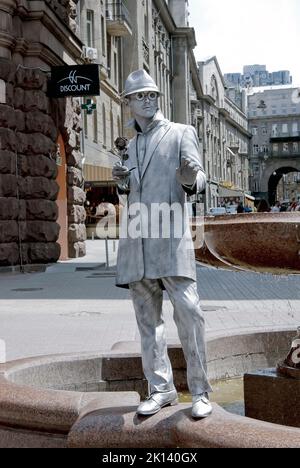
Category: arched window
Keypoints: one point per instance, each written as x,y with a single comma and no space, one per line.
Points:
214,89
112,136
95,119
119,127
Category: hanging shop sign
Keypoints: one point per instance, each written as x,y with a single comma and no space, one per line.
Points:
76,81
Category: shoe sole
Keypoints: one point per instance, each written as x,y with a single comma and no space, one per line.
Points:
172,403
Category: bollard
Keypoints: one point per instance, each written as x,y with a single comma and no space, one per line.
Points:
106,252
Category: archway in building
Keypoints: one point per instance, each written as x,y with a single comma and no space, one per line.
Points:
62,199
275,180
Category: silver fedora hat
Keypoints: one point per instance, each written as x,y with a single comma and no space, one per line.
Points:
139,81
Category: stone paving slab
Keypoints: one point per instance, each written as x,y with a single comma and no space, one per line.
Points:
71,309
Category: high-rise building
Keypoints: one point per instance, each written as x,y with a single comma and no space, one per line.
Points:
257,76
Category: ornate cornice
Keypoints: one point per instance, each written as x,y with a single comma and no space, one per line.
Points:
187,33
8,6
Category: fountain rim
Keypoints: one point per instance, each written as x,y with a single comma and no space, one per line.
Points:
66,409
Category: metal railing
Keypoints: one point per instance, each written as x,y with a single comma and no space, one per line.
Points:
275,135
117,11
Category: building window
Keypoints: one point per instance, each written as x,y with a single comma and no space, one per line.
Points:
104,125
85,120
285,147
254,131
119,126
90,28
285,128
109,45
275,130
264,130
275,148
264,149
112,137
255,149
146,29
295,147
95,122
103,36
116,68
295,128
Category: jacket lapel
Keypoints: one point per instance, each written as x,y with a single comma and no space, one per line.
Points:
133,159
153,144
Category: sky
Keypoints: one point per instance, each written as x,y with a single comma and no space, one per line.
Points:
247,32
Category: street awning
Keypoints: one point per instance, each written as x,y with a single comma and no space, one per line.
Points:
227,193
97,173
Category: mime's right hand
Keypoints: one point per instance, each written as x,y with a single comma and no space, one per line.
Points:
120,172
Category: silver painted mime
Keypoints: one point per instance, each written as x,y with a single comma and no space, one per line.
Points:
164,162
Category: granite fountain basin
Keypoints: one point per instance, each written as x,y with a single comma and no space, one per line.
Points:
260,242
90,400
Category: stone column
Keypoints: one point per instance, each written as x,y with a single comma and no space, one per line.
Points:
181,80
76,194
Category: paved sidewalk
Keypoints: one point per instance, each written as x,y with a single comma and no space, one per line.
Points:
75,306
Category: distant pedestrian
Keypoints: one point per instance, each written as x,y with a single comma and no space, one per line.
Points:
240,208
293,205
263,207
276,207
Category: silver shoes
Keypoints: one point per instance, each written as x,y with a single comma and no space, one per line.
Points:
201,406
156,402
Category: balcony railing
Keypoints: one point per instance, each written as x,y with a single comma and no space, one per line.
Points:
118,19
285,154
291,136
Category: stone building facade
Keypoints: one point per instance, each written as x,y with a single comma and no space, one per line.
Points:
161,43
103,26
225,138
274,121
41,198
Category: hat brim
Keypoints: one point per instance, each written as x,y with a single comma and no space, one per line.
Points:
148,89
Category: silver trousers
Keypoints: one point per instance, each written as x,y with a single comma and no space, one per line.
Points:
147,297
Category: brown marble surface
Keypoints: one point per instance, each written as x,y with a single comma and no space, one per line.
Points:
173,427
261,242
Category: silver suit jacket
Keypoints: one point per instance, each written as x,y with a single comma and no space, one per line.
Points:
145,255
